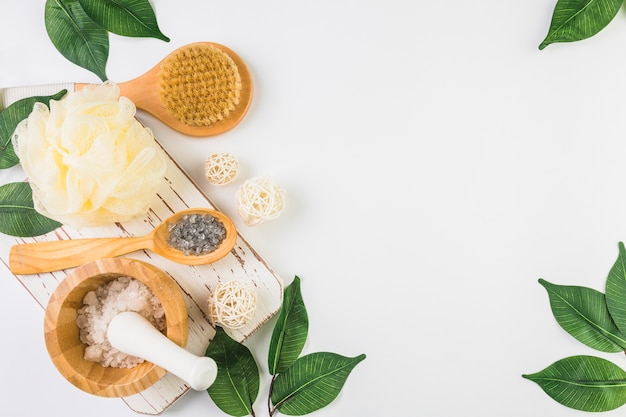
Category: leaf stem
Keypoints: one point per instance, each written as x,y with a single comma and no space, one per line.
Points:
271,410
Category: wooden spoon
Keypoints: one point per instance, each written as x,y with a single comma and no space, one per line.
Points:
34,258
145,91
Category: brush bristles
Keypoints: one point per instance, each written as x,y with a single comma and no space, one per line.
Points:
200,85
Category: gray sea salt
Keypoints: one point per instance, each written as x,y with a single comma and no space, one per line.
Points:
196,234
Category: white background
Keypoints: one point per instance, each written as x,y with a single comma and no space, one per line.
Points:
436,163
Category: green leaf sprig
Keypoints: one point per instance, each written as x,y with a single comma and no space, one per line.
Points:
11,117
598,320
79,29
575,20
299,385
17,213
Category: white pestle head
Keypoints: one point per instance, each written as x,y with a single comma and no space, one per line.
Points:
131,333
203,373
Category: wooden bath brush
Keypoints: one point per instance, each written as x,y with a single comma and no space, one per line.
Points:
200,89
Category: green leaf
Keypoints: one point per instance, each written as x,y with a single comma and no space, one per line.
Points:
76,36
10,118
237,384
134,18
574,20
17,214
290,331
582,312
616,289
313,382
584,383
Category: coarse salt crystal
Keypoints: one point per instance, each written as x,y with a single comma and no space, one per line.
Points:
102,305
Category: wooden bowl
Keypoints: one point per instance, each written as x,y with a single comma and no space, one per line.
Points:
62,334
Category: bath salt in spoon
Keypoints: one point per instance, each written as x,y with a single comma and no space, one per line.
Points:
187,237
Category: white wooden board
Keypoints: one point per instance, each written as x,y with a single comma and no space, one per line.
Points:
178,192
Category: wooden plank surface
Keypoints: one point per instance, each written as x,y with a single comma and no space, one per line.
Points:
178,192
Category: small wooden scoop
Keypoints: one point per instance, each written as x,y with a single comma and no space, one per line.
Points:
34,258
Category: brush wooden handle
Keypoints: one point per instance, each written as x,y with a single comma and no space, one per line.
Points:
34,258
144,91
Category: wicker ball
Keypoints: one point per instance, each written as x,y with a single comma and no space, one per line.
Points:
259,199
221,168
232,304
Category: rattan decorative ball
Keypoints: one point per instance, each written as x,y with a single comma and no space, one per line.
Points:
221,168
259,199
232,304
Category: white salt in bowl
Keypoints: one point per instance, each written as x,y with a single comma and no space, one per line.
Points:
62,333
